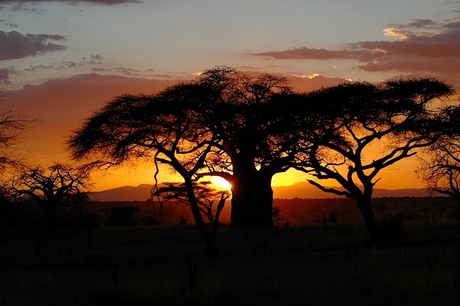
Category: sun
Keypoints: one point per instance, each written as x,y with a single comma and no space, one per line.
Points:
220,183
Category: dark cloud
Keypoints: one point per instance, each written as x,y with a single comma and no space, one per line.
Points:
5,75
34,68
16,45
103,2
419,24
9,24
96,59
424,46
323,54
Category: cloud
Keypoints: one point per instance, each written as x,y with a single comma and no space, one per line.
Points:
103,2
323,54
5,73
8,24
17,45
30,5
422,45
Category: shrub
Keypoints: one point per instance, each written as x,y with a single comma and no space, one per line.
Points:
392,229
122,216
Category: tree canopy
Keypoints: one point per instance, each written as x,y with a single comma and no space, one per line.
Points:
365,128
440,163
59,185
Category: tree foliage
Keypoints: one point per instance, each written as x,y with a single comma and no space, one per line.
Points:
59,185
440,163
11,125
363,128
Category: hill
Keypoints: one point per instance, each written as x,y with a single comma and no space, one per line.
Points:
298,190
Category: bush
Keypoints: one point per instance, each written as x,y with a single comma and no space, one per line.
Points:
392,229
332,217
149,220
122,216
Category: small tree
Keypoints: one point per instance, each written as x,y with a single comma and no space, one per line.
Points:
11,125
206,197
57,186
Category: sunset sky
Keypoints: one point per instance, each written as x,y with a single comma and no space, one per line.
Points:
61,60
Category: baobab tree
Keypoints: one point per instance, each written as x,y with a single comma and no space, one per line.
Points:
59,185
224,123
363,128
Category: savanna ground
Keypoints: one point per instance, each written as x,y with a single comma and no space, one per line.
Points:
301,262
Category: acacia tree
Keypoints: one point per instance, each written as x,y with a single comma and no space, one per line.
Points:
440,163
59,185
365,129
165,127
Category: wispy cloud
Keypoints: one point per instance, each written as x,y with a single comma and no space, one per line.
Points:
5,73
323,54
16,45
8,24
422,45
103,2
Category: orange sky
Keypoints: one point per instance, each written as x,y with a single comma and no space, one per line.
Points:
45,141
63,59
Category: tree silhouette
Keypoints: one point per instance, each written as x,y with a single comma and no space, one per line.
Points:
362,128
206,197
245,113
440,163
166,127
11,125
59,185
224,123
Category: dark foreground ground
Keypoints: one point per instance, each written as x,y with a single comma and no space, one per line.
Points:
308,264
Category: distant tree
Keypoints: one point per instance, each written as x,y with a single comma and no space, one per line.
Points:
206,197
440,163
11,125
58,186
359,129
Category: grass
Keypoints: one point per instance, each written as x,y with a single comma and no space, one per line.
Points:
167,265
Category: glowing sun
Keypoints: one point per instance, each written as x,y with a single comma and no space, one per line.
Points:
220,183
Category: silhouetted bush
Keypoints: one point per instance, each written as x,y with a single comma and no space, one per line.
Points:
183,220
18,215
122,216
84,220
392,229
332,217
149,220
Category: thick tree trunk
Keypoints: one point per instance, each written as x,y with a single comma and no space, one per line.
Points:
252,198
374,229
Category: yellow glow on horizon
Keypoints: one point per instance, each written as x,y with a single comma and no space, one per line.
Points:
400,175
220,183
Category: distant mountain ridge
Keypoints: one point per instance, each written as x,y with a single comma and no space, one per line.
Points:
297,190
